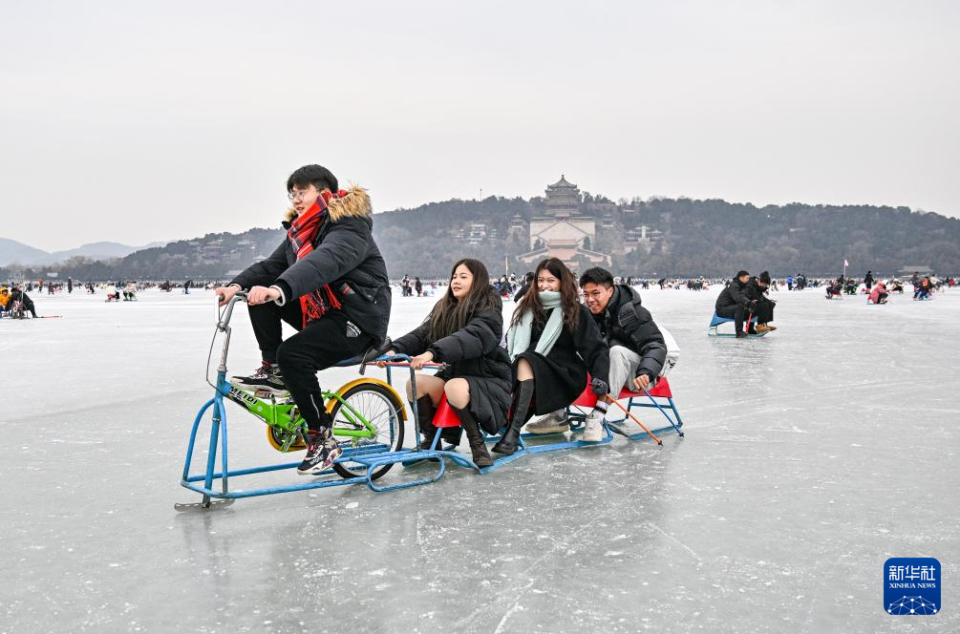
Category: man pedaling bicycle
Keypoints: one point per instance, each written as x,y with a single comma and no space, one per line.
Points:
327,280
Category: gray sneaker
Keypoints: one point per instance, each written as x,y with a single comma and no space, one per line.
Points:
552,423
593,431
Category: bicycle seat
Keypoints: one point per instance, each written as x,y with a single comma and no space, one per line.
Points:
369,355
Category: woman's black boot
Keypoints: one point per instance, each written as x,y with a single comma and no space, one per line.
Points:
475,437
425,413
518,417
451,435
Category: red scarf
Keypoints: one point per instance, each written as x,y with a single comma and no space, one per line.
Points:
302,232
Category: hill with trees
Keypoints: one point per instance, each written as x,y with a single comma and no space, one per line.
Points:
713,238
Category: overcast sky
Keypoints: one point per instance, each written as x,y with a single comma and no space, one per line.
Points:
143,121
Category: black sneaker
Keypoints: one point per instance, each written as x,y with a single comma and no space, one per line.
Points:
267,379
322,450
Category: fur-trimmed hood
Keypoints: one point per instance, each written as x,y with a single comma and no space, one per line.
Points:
354,203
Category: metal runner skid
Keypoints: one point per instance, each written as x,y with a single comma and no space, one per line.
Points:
214,483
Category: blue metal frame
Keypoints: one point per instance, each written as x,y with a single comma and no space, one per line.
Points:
218,435
675,421
441,456
716,321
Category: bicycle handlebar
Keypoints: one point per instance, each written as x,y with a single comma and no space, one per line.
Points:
400,360
227,313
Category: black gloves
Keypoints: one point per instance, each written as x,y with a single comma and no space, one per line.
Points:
599,387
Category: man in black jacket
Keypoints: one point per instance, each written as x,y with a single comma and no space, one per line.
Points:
757,290
327,280
735,302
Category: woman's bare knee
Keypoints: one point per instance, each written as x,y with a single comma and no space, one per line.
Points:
458,393
524,370
427,385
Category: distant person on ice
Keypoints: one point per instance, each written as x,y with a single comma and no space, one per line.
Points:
734,302
835,288
763,312
327,280
17,295
879,294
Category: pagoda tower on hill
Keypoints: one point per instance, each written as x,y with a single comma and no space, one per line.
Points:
562,232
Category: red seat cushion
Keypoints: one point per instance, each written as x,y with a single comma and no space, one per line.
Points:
589,399
446,416
661,389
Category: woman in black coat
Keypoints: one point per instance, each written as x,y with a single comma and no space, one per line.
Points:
463,332
553,342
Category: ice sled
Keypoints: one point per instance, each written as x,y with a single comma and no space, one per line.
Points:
716,321
659,397
446,417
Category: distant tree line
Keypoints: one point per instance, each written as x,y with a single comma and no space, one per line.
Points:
700,237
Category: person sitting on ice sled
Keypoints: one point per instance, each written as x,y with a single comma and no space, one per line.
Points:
763,312
638,349
17,295
462,331
327,280
922,289
878,295
4,299
734,302
834,289
553,342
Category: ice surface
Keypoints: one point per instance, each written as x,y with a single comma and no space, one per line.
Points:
812,455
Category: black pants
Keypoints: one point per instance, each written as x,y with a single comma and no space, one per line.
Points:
737,312
322,344
764,311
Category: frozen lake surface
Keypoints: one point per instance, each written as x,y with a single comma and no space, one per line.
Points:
811,456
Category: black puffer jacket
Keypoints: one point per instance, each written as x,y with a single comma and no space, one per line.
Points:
734,294
345,257
755,291
472,353
626,323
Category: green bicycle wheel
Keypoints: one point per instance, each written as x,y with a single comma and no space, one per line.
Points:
381,407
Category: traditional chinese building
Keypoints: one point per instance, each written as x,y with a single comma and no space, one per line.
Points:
562,232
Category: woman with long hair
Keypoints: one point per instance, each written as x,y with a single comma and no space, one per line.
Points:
553,341
463,332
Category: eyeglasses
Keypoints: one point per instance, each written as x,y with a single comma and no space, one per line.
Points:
295,194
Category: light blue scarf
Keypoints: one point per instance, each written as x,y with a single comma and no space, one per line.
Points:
518,337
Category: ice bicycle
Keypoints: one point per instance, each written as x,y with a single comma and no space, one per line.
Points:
369,418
